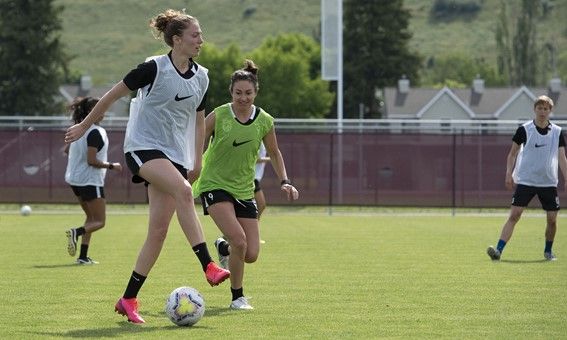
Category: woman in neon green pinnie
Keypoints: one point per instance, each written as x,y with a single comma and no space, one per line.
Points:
226,184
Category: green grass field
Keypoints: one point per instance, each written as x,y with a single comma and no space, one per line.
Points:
391,275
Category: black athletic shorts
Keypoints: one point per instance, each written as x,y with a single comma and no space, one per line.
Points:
88,192
547,196
242,208
257,186
135,159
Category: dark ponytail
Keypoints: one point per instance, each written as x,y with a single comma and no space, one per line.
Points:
249,72
81,107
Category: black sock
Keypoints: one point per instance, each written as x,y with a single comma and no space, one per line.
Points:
84,250
236,293
548,245
223,248
80,231
203,254
134,285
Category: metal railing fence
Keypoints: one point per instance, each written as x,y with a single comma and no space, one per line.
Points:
366,163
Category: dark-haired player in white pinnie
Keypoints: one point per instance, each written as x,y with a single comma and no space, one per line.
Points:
537,152
85,173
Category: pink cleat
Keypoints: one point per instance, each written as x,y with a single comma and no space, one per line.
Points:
129,308
216,275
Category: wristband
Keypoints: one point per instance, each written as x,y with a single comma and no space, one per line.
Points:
110,166
285,181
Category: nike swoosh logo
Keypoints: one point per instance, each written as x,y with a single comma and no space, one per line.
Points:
540,145
178,99
234,143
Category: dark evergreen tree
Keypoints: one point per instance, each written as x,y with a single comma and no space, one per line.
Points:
32,57
375,52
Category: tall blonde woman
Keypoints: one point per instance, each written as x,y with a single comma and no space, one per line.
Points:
164,138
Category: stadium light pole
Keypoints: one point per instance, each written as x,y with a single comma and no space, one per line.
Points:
340,67
332,69
332,50
340,101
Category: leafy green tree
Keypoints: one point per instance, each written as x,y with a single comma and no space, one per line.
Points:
562,65
376,51
289,76
524,45
518,54
32,57
450,83
300,45
459,68
502,35
221,64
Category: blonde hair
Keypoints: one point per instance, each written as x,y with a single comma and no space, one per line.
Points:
544,100
170,23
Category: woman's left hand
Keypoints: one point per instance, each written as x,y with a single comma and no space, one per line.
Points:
291,191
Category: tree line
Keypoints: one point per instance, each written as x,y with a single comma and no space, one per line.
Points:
376,54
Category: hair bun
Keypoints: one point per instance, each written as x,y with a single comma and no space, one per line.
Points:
249,66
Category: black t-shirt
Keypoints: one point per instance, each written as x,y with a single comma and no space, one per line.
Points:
94,139
520,137
146,72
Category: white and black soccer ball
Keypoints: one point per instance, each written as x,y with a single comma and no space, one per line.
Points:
25,210
185,306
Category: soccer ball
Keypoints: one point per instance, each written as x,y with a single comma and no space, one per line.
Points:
185,306
25,210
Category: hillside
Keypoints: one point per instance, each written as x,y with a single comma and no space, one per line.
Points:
476,37
109,37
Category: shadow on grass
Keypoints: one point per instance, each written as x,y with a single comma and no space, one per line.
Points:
218,311
51,266
209,312
121,328
524,261
127,328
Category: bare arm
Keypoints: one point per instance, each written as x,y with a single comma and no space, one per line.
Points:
76,131
199,145
276,158
563,165
209,126
510,164
95,162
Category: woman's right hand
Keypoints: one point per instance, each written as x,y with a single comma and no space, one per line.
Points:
74,132
509,182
